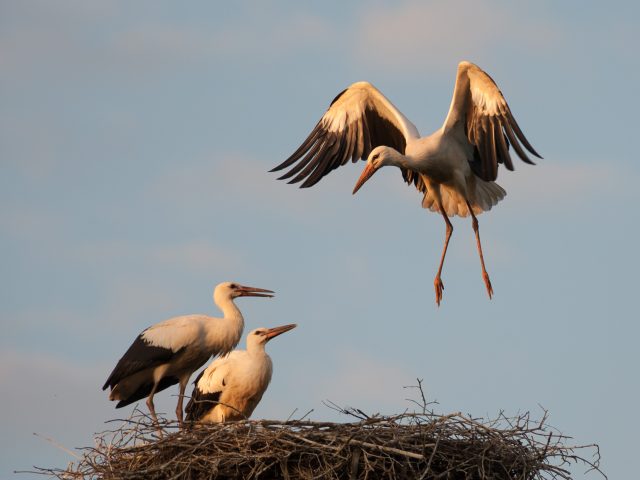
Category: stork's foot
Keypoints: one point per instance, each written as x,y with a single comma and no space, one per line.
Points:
159,432
439,287
487,283
180,419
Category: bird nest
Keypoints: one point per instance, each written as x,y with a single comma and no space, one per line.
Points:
421,445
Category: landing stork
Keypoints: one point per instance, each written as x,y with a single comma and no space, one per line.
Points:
455,167
169,352
232,386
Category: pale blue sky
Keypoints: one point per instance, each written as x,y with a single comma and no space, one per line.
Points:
135,138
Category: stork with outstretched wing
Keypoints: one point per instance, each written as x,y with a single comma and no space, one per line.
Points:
455,167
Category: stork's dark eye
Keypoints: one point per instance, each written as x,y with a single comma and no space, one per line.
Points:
233,285
375,157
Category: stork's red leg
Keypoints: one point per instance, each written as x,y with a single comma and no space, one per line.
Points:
437,282
485,275
179,415
152,408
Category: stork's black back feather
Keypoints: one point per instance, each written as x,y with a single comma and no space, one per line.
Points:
200,403
140,356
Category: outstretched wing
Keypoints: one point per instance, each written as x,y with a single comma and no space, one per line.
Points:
359,119
480,115
209,385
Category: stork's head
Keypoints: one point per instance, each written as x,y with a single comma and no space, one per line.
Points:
260,336
231,290
379,157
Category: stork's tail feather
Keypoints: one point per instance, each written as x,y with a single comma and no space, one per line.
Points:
486,195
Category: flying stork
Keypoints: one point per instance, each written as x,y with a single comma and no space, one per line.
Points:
232,386
169,352
455,167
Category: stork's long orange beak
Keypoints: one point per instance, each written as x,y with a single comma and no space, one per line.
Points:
254,292
366,174
275,331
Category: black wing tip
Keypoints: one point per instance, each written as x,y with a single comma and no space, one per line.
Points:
337,97
198,377
112,381
520,135
310,182
526,159
532,150
289,161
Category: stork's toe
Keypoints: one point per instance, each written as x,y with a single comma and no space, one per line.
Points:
487,283
439,288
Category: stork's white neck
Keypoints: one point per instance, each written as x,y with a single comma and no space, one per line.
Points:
234,320
425,153
393,157
256,348
228,308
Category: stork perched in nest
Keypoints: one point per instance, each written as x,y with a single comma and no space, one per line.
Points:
232,386
455,167
169,352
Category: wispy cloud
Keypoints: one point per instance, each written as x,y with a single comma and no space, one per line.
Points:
152,292
411,36
259,35
195,255
219,177
36,160
366,382
39,35
25,224
124,42
57,399
52,398
263,34
565,186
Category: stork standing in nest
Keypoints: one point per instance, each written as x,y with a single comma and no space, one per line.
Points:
169,352
455,167
232,386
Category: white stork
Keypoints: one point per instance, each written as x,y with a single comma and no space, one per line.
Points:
454,167
169,352
232,386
